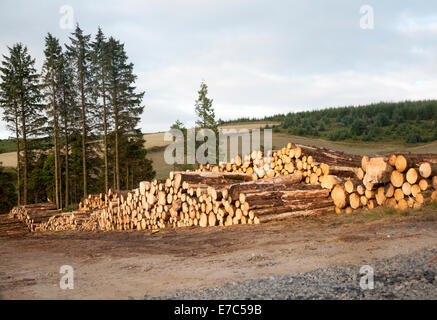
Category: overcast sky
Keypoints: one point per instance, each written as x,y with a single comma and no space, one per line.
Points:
257,57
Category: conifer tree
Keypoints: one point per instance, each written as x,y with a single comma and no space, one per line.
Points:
100,75
204,109
52,85
124,101
206,115
21,100
79,54
69,115
11,115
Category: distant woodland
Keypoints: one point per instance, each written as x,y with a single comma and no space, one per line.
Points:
409,122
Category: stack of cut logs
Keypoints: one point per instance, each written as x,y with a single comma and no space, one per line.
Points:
74,220
291,159
99,201
43,216
250,191
296,180
213,198
33,214
11,227
397,181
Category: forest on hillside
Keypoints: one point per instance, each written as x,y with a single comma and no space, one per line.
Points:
407,121
73,123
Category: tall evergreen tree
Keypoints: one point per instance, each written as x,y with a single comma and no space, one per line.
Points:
69,115
125,102
79,54
20,91
100,74
206,115
51,84
11,114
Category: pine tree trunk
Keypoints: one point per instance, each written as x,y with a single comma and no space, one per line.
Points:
60,178
55,141
117,169
105,139
133,176
127,175
85,192
67,189
17,141
23,123
113,175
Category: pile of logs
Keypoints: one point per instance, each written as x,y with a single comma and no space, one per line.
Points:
296,180
214,198
397,181
45,216
288,182
277,198
99,201
32,215
74,220
11,227
290,159
184,199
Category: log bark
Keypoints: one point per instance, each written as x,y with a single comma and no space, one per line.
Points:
297,206
268,184
309,212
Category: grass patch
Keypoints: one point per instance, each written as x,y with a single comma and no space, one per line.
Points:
368,216
68,208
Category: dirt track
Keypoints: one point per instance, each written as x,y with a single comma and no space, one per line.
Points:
121,265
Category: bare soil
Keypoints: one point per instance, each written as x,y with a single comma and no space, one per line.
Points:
119,265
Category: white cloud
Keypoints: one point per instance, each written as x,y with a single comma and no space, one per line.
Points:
257,58
412,25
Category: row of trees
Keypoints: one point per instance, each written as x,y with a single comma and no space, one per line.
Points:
407,121
75,122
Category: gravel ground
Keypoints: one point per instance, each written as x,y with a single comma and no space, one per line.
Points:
412,276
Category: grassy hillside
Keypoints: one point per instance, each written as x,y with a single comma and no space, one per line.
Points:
408,122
